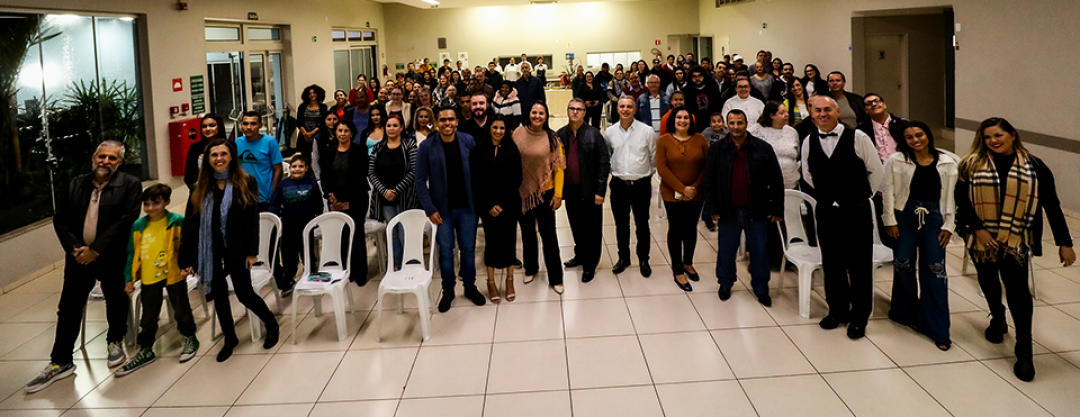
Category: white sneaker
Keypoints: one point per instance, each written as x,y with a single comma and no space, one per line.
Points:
117,356
96,294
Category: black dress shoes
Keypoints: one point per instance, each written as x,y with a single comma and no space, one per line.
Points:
227,349
475,296
272,334
447,299
830,322
620,266
573,262
724,292
685,287
587,276
856,331
764,299
693,276
646,270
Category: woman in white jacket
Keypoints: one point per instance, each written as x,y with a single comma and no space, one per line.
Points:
920,213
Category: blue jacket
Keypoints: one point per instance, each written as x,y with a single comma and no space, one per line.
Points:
431,185
529,92
644,112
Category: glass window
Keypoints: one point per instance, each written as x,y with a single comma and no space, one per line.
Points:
337,35
214,33
84,69
355,35
343,78
264,34
369,35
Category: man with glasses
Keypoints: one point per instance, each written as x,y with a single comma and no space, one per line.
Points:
93,223
702,97
588,163
884,129
751,106
444,186
633,162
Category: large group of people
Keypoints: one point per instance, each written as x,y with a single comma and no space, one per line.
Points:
726,141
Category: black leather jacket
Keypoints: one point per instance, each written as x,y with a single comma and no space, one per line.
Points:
766,179
594,159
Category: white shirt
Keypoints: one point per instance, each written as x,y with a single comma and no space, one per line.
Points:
633,150
654,109
864,149
511,72
749,105
785,144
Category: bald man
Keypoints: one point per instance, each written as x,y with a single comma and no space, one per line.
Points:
842,169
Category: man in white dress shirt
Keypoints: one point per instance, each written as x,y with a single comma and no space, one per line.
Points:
842,169
744,101
633,162
511,72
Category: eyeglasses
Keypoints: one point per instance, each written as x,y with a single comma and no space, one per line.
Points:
575,109
873,102
447,119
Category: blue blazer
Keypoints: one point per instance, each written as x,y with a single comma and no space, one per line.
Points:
644,112
431,185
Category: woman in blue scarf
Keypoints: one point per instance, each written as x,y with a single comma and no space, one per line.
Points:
221,239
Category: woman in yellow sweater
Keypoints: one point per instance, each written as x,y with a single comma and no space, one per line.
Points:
542,165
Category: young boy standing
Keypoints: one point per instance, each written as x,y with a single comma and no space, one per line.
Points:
297,199
153,253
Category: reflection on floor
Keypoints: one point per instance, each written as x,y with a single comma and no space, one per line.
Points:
619,346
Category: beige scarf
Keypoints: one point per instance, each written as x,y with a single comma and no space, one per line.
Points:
538,165
1008,218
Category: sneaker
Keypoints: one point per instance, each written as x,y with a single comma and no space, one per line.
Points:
190,348
52,373
144,357
117,356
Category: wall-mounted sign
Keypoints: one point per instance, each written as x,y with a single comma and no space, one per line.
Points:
177,84
253,16
569,56
198,95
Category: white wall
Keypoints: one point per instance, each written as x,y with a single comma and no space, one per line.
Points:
487,32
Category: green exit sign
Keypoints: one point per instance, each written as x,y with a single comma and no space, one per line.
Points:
764,25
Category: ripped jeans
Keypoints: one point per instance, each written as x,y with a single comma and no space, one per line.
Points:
920,224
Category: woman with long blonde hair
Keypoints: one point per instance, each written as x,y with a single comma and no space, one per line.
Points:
1001,193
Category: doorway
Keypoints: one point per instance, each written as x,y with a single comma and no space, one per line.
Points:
244,65
886,70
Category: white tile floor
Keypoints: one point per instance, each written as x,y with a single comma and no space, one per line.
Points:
619,346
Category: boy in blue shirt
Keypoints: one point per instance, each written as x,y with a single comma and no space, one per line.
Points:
297,199
259,155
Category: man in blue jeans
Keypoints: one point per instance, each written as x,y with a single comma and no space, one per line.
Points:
444,186
739,205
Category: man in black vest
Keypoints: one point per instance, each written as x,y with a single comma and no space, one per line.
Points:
588,163
842,170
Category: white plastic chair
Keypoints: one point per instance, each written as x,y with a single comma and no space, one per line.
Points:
882,254
797,249
413,277
135,309
262,273
373,229
332,227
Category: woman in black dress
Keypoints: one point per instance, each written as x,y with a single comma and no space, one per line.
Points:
344,182
496,173
220,239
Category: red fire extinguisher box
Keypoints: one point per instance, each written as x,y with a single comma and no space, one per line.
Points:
182,133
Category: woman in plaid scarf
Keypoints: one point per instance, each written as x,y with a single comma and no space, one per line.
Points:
1000,194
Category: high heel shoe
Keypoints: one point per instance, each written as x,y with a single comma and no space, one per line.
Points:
493,292
510,295
685,287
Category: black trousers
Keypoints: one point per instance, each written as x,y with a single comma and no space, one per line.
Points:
1014,275
627,196
292,251
592,115
846,242
78,282
241,280
586,224
151,310
543,218
358,260
682,232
